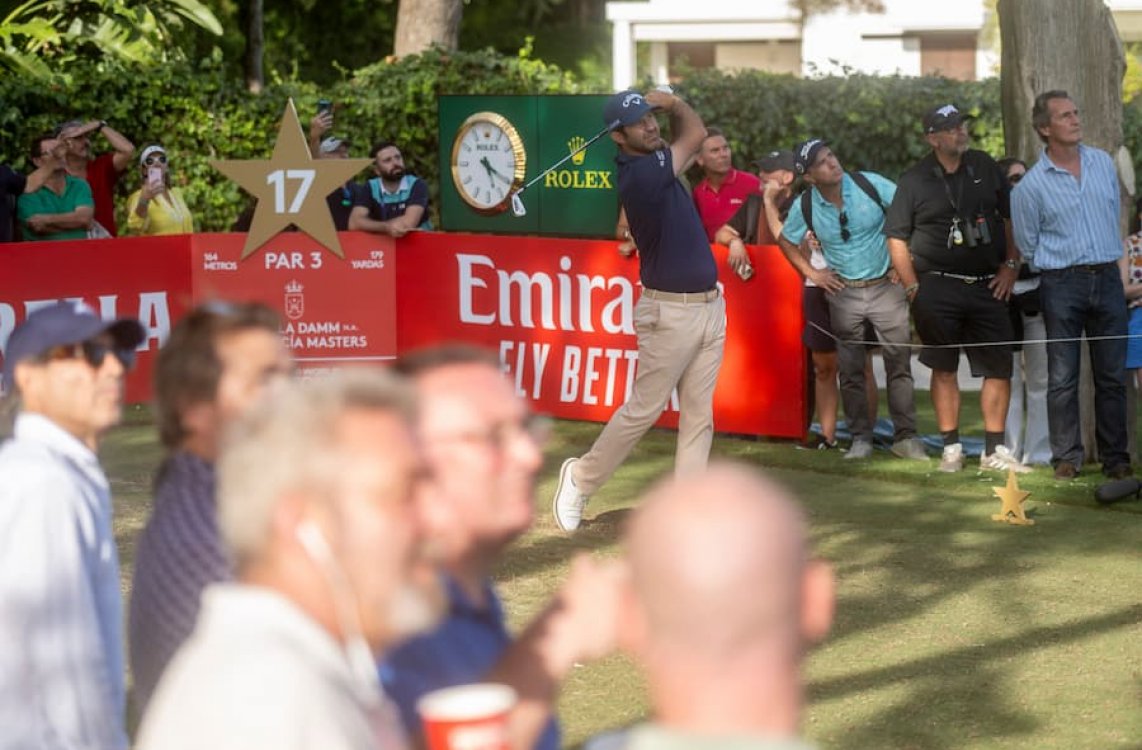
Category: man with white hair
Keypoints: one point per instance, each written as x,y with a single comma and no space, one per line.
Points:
320,504
722,600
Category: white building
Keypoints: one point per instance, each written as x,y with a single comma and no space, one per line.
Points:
911,37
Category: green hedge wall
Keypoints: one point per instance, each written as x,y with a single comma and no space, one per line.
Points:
872,122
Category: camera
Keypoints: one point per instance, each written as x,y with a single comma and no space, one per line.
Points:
324,105
982,232
971,233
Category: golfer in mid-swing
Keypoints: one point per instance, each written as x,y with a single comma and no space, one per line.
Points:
680,318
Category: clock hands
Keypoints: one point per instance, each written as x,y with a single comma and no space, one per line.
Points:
492,172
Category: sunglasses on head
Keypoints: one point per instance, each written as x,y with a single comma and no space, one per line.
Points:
846,235
154,159
93,352
1015,178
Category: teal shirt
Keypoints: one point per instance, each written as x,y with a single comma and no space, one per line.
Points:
865,255
76,193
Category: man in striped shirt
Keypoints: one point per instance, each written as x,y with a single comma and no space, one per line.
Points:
216,364
1065,214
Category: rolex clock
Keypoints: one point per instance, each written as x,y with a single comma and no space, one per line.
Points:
488,162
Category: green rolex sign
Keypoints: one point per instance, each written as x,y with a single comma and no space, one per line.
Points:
484,138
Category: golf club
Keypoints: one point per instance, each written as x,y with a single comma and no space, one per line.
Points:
518,209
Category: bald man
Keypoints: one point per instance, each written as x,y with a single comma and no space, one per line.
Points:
721,602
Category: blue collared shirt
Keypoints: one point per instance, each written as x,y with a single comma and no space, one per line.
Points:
865,254
463,649
1060,221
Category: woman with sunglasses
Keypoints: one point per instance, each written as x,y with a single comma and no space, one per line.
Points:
156,207
1026,425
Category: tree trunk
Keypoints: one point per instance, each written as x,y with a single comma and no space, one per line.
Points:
423,23
1071,45
255,45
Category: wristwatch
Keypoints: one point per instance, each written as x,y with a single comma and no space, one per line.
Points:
1012,264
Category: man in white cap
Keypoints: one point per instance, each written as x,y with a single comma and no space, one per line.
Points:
61,670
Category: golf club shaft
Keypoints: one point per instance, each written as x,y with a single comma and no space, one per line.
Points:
569,156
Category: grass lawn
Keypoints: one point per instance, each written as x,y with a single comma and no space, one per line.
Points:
952,631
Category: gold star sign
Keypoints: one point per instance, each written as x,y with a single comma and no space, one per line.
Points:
290,187
1012,498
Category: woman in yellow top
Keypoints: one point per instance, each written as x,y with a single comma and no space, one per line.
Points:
157,208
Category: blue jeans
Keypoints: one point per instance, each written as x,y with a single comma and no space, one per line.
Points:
1091,300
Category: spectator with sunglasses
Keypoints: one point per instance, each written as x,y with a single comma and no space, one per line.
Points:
61,669
219,360
1029,439
101,172
845,211
157,207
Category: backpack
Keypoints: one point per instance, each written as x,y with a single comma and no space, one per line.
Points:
861,181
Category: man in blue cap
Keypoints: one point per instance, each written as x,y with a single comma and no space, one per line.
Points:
845,211
61,673
680,318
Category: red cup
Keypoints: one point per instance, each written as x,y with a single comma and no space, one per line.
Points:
467,717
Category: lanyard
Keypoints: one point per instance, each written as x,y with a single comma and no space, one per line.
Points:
959,199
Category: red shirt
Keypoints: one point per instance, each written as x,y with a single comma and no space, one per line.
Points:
717,206
101,176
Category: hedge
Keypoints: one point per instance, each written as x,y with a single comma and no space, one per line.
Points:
872,122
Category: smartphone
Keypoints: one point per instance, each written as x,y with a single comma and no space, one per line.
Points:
324,105
154,176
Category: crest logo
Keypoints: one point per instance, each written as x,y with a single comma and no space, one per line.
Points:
947,110
632,99
294,300
576,142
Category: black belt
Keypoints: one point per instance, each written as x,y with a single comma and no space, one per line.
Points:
966,278
861,283
1090,267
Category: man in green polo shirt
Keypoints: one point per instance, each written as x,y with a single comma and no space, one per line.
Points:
60,210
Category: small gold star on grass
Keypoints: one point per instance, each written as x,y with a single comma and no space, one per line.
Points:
1012,498
290,187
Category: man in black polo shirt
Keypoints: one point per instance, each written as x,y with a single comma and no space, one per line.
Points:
948,237
680,317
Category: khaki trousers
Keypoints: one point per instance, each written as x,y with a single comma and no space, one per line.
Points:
679,345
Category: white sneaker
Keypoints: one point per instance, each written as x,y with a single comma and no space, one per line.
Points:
568,504
1002,460
953,458
860,449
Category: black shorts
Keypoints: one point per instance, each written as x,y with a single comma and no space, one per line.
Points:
953,311
815,304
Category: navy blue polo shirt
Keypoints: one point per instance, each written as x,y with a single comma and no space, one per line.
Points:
674,254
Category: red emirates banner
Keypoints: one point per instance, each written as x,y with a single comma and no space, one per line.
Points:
143,277
335,311
560,314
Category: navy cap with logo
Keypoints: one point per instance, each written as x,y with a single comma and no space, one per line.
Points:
806,153
625,108
60,324
944,117
776,161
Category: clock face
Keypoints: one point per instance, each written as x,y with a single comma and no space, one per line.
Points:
488,162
